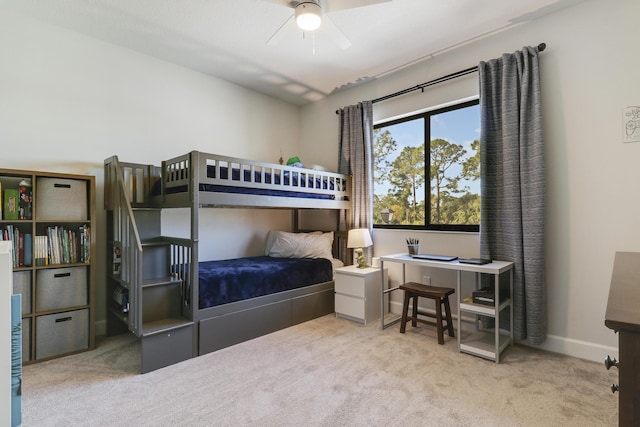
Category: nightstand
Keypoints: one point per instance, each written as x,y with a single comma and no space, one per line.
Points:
358,293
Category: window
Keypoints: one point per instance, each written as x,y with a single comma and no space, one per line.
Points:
433,186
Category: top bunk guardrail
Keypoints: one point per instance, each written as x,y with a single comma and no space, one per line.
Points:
137,181
215,180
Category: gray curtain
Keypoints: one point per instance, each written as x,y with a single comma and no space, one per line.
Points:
513,182
356,159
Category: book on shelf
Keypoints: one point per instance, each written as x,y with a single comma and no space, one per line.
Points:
117,258
28,249
41,245
117,269
84,244
10,204
67,246
60,245
20,248
21,245
9,234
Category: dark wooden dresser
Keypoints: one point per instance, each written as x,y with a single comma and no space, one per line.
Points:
623,316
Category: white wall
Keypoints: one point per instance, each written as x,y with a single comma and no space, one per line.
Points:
589,73
68,102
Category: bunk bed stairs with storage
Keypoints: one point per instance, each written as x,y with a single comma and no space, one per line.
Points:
181,307
144,296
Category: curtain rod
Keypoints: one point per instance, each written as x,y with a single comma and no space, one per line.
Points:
541,48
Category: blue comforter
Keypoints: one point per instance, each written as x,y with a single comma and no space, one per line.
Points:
225,281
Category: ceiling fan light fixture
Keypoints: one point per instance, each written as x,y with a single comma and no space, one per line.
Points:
308,16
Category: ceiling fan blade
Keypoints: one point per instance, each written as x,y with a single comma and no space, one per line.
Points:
285,30
335,5
287,3
328,27
334,33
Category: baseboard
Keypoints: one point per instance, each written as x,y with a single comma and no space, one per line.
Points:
576,348
556,344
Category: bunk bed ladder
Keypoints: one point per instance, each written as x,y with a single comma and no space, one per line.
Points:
141,263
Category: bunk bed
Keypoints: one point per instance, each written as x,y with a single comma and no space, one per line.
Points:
229,309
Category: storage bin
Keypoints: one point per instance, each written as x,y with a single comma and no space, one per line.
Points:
61,199
61,333
22,286
58,288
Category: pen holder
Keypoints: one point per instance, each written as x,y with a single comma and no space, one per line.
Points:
413,249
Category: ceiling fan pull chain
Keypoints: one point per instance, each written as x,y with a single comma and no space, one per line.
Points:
313,36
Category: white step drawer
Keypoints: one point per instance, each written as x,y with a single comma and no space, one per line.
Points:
350,306
350,285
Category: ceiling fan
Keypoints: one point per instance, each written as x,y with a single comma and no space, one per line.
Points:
312,15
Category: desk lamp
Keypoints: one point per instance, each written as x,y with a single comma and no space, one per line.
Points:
359,238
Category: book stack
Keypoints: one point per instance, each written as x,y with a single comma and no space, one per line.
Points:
41,250
21,243
64,246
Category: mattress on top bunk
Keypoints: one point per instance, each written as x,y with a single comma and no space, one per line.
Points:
226,281
295,179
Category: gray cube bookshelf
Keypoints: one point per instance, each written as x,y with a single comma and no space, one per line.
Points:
50,218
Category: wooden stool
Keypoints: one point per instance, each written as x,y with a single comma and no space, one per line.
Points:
440,295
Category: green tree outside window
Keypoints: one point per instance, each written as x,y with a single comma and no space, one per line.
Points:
448,197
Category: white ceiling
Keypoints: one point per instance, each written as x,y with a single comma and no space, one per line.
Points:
227,38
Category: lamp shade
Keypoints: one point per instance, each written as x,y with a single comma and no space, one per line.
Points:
359,238
308,16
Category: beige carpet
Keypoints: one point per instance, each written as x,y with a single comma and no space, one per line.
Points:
326,372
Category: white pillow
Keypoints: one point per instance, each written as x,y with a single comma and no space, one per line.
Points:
317,168
273,235
282,244
271,238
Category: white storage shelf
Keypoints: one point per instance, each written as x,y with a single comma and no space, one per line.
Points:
482,309
483,344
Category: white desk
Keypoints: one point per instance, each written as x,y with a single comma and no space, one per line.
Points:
482,343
